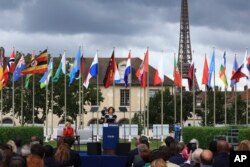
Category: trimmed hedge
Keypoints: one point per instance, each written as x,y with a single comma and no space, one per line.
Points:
203,134
244,133
24,133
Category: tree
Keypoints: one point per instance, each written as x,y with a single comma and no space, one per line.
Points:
40,97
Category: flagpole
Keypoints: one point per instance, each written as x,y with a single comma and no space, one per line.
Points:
225,106
22,101
52,106
2,107
13,100
214,100
33,100
130,110
247,95
97,100
235,111
46,113
79,96
65,92
205,105
174,98
82,115
181,122
148,99
162,110
144,115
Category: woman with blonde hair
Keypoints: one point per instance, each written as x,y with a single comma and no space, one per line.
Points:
158,163
244,145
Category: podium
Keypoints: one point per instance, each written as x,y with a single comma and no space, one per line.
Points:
110,137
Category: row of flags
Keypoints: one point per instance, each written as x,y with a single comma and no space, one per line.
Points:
39,65
237,72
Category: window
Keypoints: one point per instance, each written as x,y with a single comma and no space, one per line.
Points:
124,97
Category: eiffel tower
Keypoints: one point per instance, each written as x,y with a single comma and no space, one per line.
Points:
184,53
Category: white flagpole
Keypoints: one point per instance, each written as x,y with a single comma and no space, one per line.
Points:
193,90
65,92
97,99
181,122
205,105
52,102
214,94
13,100
33,100
162,110
174,98
130,110
225,105
46,112
148,99
235,109
22,101
247,95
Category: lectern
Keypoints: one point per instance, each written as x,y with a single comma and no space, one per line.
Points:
110,137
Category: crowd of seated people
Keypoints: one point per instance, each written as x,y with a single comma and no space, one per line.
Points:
35,154
178,154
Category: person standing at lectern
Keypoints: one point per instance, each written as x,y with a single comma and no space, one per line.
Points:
110,117
68,131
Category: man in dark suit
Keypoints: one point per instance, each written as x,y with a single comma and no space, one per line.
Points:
141,140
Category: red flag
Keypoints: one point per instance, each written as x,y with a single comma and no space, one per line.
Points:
177,75
141,73
238,74
159,76
10,68
110,72
190,76
157,79
205,72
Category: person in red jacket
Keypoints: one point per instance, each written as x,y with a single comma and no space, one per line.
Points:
68,131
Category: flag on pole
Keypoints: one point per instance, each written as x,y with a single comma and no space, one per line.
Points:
8,69
235,67
112,73
127,69
211,70
19,67
222,72
27,78
246,63
141,73
177,75
238,74
44,81
38,65
76,67
205,72
60,69
159,75
93,71
1,64
191,76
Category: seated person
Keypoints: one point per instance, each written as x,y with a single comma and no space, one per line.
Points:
110,117
68,131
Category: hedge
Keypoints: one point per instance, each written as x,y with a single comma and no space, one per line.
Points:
206,134
24,133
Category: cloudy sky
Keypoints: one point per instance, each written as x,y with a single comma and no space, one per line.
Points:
32,25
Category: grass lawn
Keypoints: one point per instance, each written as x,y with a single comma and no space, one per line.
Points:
154,144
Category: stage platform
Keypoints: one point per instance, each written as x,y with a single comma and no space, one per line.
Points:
102,160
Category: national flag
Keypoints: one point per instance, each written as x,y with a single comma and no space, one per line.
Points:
177,75
159,76
19,67
235,67
1,64
27,81
117,77
238,74
222,72
60,69
76,67
110,72
127,69
211,70
44,81
141,73
8,69
93,71
38,65
245,69
191,77
205,72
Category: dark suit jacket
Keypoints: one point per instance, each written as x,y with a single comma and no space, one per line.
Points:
221,160
131,156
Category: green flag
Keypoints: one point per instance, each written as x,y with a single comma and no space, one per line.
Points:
27,81
58,73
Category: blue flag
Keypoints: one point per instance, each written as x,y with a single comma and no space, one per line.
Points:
76,67
211,70
20,66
